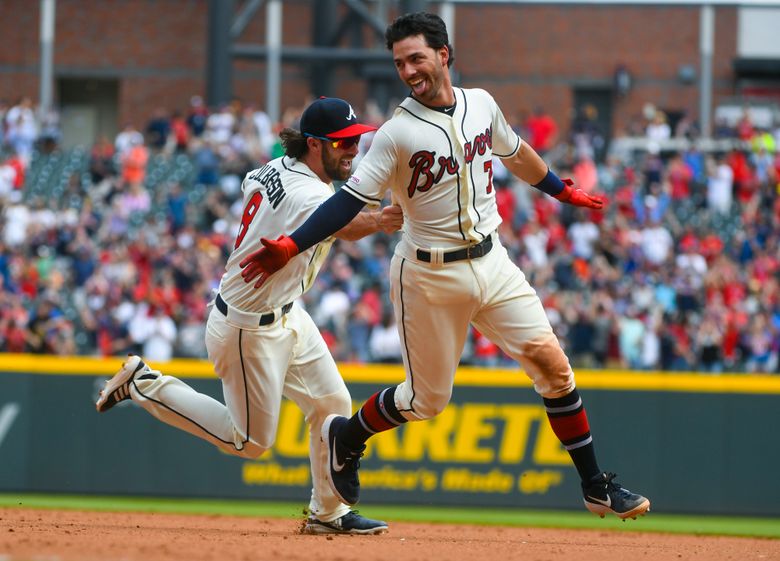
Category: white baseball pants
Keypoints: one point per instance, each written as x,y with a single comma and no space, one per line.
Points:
434,305
257,366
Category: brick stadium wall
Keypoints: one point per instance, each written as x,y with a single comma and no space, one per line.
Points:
526,55
533,55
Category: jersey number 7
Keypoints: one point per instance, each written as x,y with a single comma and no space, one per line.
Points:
250,211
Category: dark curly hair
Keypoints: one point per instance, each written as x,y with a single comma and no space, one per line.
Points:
428,25
294,143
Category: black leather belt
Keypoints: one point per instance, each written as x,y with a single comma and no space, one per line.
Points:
471,252
265,319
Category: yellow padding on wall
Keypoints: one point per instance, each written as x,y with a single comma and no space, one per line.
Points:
393,374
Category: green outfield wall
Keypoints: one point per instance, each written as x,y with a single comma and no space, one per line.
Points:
692,443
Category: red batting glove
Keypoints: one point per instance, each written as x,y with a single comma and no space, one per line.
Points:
578,197
268,259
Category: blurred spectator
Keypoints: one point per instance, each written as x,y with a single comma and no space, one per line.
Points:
542,131
154,331
583,235
658,130
760,345
720,186
385,344
687,126
744,127
709,341
177,207
197,117
134,160
206,164
632,331
180,133
588,137
50,133
9,178
656,244
651,342
48,331
101,161
158,129
21,128
127,138
679,174
219,126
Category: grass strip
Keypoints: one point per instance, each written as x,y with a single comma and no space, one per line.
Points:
654,522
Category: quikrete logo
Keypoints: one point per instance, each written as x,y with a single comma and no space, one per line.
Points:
469,447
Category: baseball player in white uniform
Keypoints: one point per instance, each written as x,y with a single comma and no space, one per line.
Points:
262,345
450,269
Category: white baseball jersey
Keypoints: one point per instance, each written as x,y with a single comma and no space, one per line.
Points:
439,168
260,363
278,198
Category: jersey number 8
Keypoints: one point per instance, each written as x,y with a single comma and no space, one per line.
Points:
250,211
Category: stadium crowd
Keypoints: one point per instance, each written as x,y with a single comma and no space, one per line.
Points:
118,247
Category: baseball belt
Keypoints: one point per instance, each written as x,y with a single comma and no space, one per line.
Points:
264,319
471,252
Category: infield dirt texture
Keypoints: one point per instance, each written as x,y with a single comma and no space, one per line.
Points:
67,535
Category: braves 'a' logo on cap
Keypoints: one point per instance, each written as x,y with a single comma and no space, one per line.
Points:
351,116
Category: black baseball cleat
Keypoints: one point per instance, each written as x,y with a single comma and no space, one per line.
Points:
118,388
350,523
604,495
343,463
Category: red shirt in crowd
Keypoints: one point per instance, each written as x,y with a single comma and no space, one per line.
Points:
541,130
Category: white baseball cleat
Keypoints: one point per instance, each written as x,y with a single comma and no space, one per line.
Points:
118,388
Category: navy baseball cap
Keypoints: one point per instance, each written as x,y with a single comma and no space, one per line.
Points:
331,117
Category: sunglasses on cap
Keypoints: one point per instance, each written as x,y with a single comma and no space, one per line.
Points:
342,143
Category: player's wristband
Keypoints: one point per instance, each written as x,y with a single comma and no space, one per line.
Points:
551,184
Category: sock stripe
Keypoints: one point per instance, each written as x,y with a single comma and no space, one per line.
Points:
387,404
383,409
363,423
579,444
570,398
570,427
372,417
379,413
564,409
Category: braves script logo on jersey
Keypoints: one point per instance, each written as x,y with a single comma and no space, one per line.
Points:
422,162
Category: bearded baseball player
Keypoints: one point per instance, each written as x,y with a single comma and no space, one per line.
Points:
262,345
450,269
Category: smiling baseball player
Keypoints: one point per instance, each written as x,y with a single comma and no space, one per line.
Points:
450,269
263,346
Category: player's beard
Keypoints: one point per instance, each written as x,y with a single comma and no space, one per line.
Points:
331,163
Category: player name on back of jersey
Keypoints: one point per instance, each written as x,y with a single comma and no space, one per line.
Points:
269,177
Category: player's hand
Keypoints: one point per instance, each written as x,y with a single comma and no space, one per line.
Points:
268,259
578,197
391,218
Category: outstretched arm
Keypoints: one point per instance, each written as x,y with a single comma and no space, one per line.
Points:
388,220
529,166
329,218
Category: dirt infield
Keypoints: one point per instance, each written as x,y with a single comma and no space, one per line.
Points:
30,535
